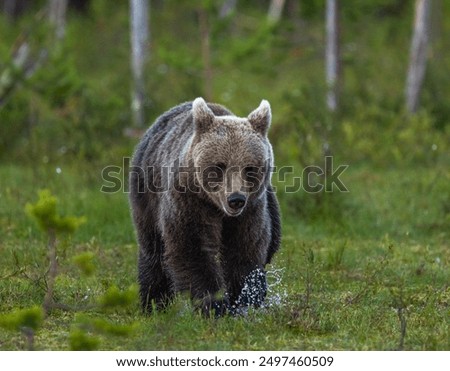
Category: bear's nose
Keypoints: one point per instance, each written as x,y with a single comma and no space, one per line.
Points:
236,201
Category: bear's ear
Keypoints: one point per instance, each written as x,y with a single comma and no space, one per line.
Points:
203,116
261,117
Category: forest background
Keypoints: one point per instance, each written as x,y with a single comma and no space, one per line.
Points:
363,269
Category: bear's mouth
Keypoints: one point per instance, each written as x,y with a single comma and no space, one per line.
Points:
232,212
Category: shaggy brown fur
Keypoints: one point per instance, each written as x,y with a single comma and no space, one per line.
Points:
203,207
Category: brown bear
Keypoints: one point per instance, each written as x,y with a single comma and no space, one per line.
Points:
206,217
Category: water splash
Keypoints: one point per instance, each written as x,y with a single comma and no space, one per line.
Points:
276,290
261,290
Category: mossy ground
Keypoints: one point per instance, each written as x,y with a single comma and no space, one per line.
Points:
345,284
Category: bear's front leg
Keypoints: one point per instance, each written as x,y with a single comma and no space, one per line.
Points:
192,258
246,241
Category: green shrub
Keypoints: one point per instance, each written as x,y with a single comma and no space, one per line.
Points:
387,138
31,318
85,262
45,213
114,298
80,340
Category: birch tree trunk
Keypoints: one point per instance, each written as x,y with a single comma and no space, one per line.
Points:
57,10
418,54
275,10
139,21
332,58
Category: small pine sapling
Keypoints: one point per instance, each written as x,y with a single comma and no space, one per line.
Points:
45,213
27,321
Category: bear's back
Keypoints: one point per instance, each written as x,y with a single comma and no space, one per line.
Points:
164,140
180,117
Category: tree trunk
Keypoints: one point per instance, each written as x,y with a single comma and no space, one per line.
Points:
57,17
275,10
139,21
332,58
48,304
418,54
24,65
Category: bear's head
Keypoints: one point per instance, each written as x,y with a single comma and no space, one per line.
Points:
232,156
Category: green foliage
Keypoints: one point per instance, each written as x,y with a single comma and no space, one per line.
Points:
102,326
387,138
44,211
85,262
54,111
31,318
336,256
80,340
243,50
73,109
114,298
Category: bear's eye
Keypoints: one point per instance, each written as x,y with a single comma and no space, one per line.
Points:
220,170
216,171
251,171
220,166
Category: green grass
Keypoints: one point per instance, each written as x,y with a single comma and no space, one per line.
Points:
347,281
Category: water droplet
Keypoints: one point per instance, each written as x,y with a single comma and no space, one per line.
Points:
276,293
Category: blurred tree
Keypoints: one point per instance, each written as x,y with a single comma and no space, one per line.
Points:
139,21
27,320
275,10
418,54
57,10
227,8
24,62
81,6
12,75
205,36
332,57
293,9
14,8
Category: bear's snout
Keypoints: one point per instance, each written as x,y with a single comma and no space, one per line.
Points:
236,201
